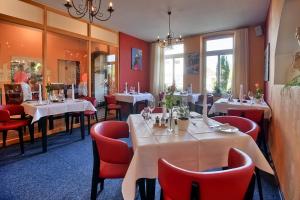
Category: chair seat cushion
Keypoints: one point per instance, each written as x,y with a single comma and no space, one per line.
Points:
89,112
109,170
13,124
113,106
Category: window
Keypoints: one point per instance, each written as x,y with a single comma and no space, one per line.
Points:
218,63
174,66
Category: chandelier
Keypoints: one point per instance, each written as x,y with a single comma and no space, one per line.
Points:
170,39
92,7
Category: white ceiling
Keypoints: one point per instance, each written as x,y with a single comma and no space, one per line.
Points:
146,19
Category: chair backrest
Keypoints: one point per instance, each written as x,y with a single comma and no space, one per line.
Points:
110,99
14,109
93,100
210,99
158,110
4,115
13,93
255,115
110,148
243,124
233,183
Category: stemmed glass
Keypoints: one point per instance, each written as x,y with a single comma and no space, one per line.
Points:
151,105
251,96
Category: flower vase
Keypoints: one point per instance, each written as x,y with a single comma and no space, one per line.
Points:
170,129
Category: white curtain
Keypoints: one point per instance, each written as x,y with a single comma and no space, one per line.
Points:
240,74
157,73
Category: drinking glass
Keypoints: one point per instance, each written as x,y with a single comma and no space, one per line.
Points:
251,96
151,105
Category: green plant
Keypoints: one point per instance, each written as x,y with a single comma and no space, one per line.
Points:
170,99
183,112
225,70
48,88
258,93
294,82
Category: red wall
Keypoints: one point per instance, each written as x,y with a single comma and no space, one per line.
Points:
126,42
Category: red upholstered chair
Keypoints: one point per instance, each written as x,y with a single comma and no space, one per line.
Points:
111,155
17,113
244,125
235,112
158,110
7,124
231,184
111,104
87,113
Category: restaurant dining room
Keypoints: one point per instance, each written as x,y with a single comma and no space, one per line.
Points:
148,100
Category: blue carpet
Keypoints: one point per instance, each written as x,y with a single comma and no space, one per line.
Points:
65,172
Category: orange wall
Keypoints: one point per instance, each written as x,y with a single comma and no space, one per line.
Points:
65,48
18,41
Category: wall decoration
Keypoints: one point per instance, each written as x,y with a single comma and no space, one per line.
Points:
68,72
25,69
136,59
192,61
267,63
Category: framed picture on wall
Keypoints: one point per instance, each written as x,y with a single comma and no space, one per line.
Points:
192,61
136,59
267,63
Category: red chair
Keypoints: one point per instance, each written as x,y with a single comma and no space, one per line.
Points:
158,110
111,155
244,125
87,113
231,184
235,112
17,113
111,104
7,124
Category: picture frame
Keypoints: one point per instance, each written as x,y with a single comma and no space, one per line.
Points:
136,59
192,63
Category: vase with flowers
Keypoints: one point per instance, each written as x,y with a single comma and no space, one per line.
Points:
170,101
258,93
183,114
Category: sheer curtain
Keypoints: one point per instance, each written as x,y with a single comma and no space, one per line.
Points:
240,74
157,73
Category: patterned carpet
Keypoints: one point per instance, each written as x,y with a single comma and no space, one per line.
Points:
65,172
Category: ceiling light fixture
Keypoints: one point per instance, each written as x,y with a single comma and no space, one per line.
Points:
92,7
170,39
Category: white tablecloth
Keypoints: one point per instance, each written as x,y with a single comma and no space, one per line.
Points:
192,98
199,148
133,98
38,111
222,105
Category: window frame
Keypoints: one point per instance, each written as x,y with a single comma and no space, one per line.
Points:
173,57
217,53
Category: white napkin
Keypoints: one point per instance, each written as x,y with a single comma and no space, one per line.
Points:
204,110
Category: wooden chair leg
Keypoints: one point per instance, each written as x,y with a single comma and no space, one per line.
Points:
150,187
105,114
94,188
101,184
141,185
51,122
21,140
67,122
96,116
4,138
120,116
89,124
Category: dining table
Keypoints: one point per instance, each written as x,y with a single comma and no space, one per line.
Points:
132,98
200,147
223,104
190,98
40,111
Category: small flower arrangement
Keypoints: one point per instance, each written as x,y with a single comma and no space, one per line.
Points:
170,99
258,92
183,113
48,88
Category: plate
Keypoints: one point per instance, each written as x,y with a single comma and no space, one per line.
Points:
226,129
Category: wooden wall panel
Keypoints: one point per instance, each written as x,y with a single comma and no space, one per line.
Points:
66,23
104,35
22,10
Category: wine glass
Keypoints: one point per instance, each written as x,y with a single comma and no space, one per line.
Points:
151,105
251,96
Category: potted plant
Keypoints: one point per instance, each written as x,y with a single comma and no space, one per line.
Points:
183,118
258,93
170,101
